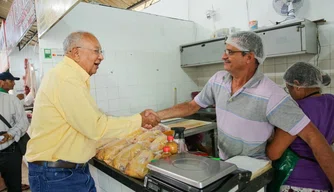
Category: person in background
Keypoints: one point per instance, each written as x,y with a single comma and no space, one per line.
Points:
7,82
11,109
67,123
304,82
249,105
28,98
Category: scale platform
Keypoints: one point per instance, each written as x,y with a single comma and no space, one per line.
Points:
186,171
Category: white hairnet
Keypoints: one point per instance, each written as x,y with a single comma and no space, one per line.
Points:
248,41
308,76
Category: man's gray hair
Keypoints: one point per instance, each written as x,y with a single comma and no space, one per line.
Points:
73,40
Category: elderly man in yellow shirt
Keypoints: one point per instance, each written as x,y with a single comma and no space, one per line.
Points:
67,123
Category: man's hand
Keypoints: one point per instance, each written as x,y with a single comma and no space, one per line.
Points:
149,119
6,138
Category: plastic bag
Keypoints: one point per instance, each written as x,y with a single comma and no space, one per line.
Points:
132,136
158,143
283,168
148,136
102,150
157,155
161,127
137,166
125,156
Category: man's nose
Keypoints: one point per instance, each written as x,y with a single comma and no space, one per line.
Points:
224,57
101,57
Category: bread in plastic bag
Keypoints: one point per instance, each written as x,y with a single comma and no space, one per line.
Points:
132,136
148,136
145,144
109,152
137,166
157,154
161,127
125,156
101,152
111,155
159,142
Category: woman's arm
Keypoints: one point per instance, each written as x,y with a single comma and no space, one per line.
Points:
281,141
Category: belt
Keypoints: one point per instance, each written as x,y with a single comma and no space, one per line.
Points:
60,164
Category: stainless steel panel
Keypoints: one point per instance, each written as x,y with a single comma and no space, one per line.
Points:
283,40
204,53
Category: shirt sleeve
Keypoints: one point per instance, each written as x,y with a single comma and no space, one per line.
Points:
82,113
29,99
284,113
206,96
20,118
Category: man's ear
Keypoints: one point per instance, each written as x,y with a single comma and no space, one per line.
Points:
75,54
250,56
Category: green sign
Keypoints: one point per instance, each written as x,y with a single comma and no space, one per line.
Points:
47,54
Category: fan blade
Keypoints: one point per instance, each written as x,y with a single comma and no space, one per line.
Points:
284,9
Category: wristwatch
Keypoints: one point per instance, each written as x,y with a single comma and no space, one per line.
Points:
10,137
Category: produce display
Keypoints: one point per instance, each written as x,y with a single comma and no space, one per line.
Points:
132,154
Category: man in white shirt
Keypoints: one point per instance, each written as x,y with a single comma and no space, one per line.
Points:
10,155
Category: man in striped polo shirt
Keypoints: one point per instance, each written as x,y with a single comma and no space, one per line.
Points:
249,105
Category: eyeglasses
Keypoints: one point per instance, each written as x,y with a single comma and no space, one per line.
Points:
97,51
286,89
231,52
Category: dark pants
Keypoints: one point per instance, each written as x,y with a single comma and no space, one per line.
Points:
47,179
10,167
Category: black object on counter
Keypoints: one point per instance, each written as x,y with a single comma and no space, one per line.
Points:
179,132
179,135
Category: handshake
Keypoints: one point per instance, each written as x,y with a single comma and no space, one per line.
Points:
149,119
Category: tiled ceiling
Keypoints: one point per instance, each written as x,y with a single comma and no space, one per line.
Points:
31,36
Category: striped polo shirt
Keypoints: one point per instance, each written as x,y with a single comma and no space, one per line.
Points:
247,118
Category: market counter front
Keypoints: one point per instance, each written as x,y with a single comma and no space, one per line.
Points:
236,181
132,183
108,178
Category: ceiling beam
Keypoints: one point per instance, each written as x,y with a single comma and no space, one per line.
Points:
136,4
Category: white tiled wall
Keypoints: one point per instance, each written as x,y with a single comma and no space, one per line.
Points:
105,183
141,68
274,68
128,86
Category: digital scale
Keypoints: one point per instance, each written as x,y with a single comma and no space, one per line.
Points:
187,172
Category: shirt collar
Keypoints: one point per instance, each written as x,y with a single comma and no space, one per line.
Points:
2,90
257,77
83,74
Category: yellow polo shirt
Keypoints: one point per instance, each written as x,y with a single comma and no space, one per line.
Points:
67,123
